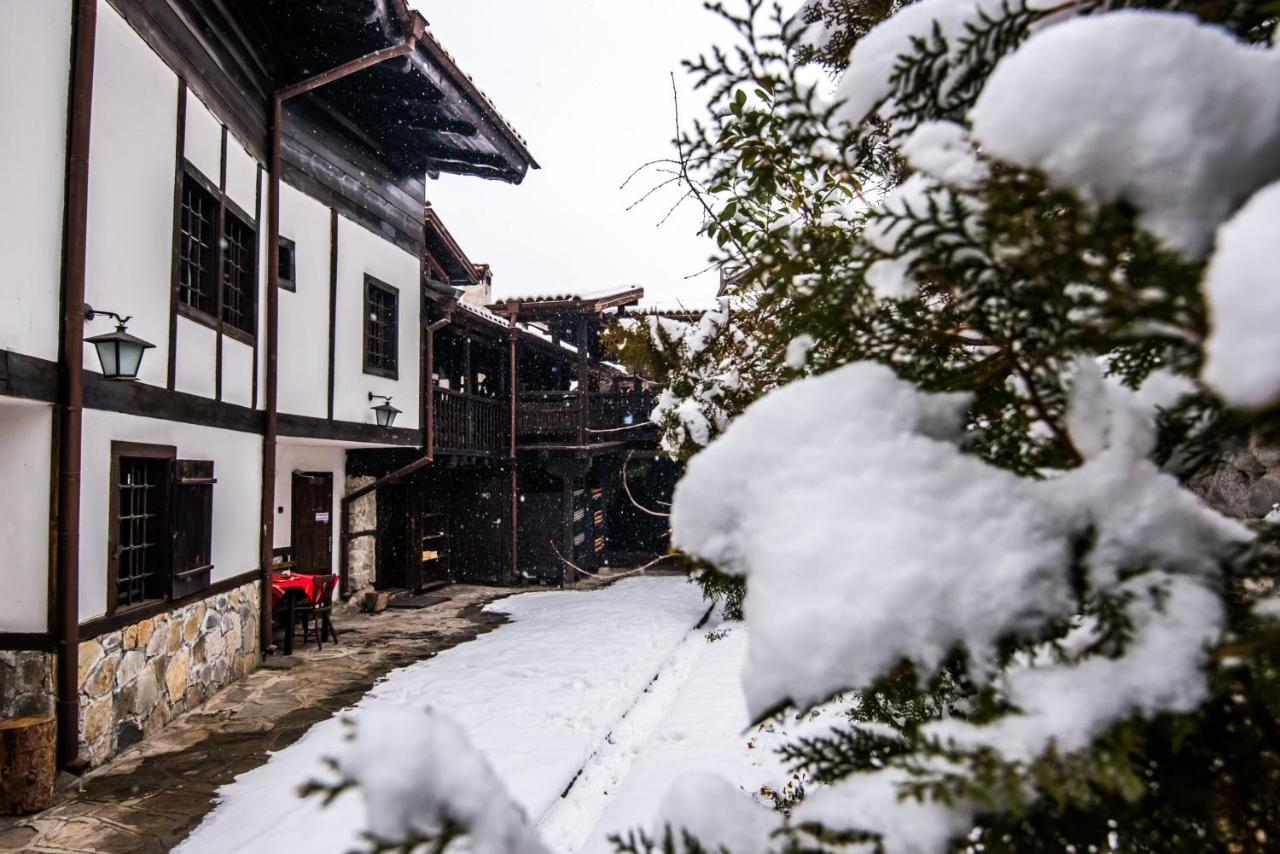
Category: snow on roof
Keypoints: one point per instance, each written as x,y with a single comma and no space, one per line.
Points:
481,311
585,295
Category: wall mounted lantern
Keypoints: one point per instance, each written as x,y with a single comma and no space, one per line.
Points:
119,353
385,412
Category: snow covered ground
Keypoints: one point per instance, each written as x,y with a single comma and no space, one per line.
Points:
604,697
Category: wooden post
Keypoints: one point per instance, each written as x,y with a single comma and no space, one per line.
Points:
584,381
27,755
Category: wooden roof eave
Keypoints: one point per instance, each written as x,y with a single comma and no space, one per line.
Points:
412,21
538,308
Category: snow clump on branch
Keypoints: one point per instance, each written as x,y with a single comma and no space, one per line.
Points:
1243,288
421,779
1177,117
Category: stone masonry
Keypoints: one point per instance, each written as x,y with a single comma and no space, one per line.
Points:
26,684
362,551
1245,483
135,680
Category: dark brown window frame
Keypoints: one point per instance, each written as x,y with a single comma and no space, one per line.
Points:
370,285
225,206
129,450
178,479
288,249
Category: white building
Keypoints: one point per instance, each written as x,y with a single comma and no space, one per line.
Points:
133,532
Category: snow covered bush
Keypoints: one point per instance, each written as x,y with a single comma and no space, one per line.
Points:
1013,285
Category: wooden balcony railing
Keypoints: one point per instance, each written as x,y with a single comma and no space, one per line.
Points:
469,423
554,417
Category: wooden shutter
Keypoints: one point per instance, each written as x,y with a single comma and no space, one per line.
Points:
192,526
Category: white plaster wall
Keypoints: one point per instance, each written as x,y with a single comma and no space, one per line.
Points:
131,178
35,68
292,458
237,372
359,252
202,140
242,177
24,515
237,496
195,369
304,314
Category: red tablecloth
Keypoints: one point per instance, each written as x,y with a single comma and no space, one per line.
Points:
283,582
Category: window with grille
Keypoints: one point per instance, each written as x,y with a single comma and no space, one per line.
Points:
196,241
381,329
238,279
161,525
216,258
142,485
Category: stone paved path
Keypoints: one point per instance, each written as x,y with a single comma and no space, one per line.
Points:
151,796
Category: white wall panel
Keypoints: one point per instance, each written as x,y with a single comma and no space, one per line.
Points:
242,176
304,314
362,252
237,372
131,179
202,142
195,371
24,515
35,69
237,495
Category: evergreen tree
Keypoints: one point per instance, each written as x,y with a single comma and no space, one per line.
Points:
876,227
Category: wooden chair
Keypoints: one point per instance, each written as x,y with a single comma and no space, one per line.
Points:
319,611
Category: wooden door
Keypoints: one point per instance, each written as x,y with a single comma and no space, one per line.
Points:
431,546
313,522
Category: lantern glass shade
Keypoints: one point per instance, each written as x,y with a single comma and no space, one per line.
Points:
120,353
386,414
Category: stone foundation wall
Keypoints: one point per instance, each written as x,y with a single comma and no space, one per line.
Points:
135,680
362,552
1245,484
26,684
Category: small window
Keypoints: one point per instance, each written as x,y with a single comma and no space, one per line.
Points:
161,525
196,240
381,329
142,486
286,270
239,293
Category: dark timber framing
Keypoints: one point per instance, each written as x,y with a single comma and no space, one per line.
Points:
333,303
178,176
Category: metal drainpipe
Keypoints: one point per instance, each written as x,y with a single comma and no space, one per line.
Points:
266,543
71,385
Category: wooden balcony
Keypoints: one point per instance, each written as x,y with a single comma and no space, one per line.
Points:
558,418
471,424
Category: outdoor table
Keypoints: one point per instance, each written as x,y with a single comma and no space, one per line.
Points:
289,587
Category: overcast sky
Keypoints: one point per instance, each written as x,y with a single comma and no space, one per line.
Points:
587,83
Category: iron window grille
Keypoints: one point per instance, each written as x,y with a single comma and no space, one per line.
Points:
381,329
196,242
141,484
238,274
